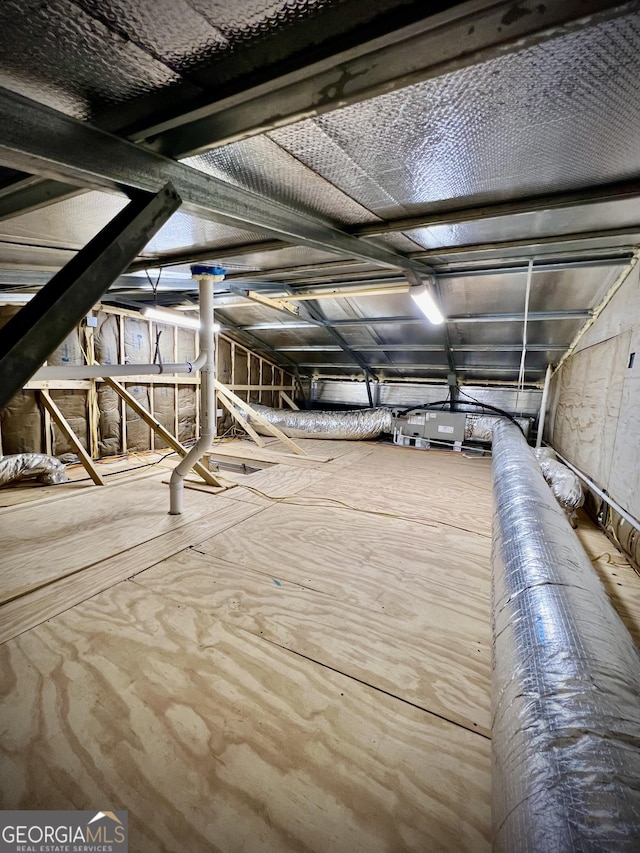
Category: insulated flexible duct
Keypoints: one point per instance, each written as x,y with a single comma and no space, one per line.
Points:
566,679
356,425
24,466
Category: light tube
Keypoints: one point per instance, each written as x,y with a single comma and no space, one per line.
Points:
426,303
161,315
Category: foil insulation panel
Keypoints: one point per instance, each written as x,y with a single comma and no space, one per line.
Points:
548,223
57,54
347,426
521,124
566,679
71,223
261,166
565,290
97,58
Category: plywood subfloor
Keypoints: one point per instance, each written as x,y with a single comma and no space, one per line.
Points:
299,664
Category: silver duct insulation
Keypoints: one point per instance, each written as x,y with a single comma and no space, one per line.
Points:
566,679
480,427
564,484
24,466
355,425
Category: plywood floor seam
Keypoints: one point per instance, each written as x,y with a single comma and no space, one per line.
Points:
380,690
346,672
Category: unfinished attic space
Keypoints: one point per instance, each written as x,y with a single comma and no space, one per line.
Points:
319,418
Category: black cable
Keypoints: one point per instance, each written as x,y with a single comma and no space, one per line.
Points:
423,406
448,400
154,287
493,409
442,403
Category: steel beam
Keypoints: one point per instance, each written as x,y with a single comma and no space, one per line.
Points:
37,139
423,348
445,214
220,253
204,254
532,242
467,34
433,368
38,328
32,193
254,96
314,316
516,317
330,280
533,316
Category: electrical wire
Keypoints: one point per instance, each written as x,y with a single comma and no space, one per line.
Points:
496,409
335,503
422,406
488,406
154,287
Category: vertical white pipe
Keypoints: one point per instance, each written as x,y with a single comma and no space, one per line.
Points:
207,398
523,358
543,406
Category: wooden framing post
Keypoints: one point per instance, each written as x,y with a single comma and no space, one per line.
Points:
123,405
225,392
289,401
173,442
242,421
62,424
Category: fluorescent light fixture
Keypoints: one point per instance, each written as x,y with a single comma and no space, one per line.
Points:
421,295
13,298
162,315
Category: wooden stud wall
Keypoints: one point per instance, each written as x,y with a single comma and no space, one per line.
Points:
249,375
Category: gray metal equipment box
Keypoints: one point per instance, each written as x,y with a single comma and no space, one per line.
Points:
436,426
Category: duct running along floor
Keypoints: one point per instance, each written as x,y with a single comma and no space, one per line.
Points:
299,663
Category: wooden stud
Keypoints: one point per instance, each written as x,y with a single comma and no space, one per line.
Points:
171,440
176,396
242,421
93,410
48,433
233,363
152,350
64,427
284,396
265,423
123,406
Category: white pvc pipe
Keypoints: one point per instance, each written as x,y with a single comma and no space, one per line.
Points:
207,398
543,406
97,371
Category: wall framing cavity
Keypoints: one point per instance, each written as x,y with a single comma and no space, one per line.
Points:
102,421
